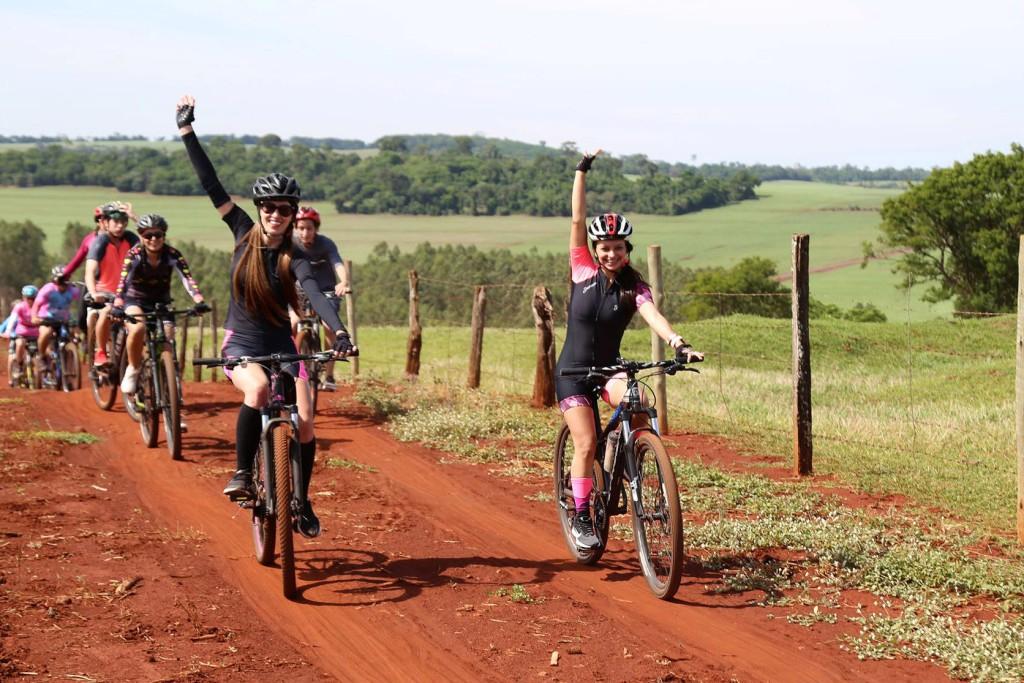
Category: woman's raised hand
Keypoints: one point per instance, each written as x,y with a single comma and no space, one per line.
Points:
586,161
185,113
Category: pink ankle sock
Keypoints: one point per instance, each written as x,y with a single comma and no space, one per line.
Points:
581,488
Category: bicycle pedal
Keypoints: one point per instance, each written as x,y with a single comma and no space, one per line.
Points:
247,504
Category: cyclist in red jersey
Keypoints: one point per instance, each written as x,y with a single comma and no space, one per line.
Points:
103,267
606,292
328,269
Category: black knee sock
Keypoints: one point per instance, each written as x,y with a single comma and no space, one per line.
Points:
247,437
308,454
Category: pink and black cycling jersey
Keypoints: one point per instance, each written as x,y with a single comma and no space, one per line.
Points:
79,257
24,326
597,318
53,304
109,253
142,282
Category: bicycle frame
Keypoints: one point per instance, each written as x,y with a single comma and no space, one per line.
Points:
155,339
61,338
623,461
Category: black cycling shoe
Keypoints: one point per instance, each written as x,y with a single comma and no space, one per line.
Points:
307,522
583,533
240,487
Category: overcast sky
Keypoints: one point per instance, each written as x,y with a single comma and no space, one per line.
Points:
816,82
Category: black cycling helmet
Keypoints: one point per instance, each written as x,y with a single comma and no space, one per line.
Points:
152,221
276,186
114,210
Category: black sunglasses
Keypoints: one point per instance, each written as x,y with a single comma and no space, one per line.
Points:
154,235
283,210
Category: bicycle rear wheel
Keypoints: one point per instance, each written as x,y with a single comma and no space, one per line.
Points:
169,400
657,519
566,505
281,440
263,523
309,344
145,400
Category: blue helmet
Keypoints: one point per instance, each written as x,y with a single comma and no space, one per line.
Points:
29,290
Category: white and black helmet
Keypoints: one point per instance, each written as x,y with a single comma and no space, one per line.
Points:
152,221
609,226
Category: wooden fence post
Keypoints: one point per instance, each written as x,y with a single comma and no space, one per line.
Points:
476,349
412,349
215,347
803,463
197,352
544,375
350,315
657,349
1020,392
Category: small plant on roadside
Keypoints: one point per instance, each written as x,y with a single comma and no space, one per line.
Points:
350,465
73,438
540,497
517,593
380,399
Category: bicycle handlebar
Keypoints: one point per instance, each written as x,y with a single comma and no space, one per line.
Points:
161,313
229,363
628,367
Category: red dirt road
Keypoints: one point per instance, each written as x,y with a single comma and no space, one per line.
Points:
402,585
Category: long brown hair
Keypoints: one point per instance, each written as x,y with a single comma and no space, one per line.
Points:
250,284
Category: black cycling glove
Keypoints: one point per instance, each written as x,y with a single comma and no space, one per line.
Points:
186,115
342,344
686,354
201,307
585,162
117,312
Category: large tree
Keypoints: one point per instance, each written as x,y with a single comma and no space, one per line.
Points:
961,227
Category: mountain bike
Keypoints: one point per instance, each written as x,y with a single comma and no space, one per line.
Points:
158,387
277,469
308,341
633,475
106,379
59,369
24,374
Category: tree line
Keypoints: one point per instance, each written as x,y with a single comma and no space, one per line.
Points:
396,180
448,275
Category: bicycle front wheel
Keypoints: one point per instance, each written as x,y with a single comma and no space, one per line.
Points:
308,344
280,441
104,383
71,378
263,523
145,403
565,504
169,400
657,519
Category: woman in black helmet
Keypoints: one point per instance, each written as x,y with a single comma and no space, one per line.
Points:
606,292
264,272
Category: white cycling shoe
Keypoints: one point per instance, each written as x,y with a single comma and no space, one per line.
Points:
130,381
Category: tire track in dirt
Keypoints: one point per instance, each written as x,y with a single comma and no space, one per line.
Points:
402,583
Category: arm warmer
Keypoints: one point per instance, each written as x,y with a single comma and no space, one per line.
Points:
204,170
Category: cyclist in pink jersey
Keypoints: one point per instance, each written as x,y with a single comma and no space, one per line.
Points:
23,331
53,303
606,292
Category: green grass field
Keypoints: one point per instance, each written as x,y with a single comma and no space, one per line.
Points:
924,410
838,217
